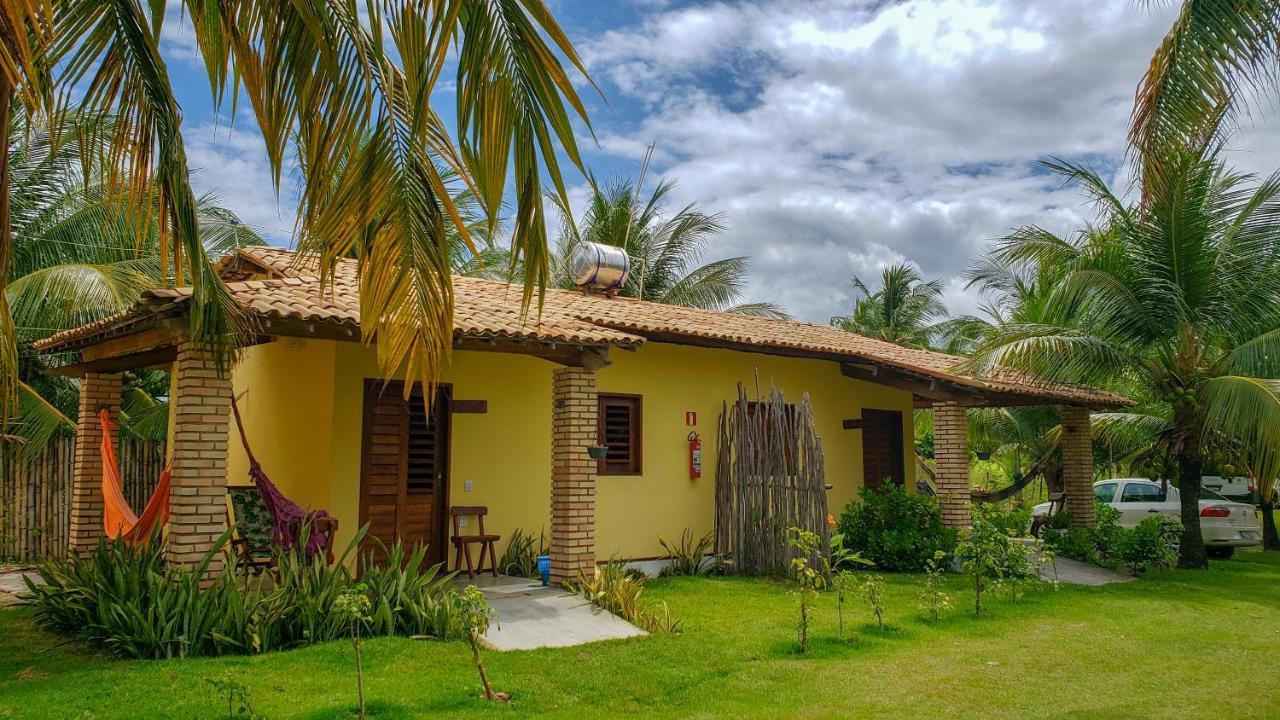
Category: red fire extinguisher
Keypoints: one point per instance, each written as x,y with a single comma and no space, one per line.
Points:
695,456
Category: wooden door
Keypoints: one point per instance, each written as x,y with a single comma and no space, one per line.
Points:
404,468
882,448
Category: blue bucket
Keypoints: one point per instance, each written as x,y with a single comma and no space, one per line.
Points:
544,569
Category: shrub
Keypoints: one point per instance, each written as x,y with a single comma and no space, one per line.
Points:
992,557
873,593
520,559
934,600
127,601
898,531
844,583
689,557
353,606
1151,545
476,616
1077,543
1010,520
804,545
614,588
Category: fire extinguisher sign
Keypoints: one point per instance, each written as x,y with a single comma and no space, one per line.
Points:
690,418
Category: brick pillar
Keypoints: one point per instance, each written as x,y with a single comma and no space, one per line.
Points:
197,509
1077,464
98,390
951,462
573,472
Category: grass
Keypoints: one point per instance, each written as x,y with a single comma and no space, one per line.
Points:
1176,644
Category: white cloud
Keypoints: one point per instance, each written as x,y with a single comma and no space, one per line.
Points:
231,162
838,138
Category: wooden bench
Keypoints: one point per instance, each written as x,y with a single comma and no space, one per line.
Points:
462,543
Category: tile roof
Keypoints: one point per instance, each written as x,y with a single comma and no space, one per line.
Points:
491,309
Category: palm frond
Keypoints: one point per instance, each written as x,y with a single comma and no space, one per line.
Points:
760,309
1244,410
1213,54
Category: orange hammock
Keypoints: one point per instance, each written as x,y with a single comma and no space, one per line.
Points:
118,519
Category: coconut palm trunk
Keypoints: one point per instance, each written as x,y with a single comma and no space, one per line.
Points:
1191,551
1270,537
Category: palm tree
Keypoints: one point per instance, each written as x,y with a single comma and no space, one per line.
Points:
338,85
1179,298
82,252
666,249
903,310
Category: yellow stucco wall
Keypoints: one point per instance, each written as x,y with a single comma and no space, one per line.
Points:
285,394
303,409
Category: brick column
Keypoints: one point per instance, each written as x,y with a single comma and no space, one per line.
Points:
573,472
197,509
97,390
1077,464
951,462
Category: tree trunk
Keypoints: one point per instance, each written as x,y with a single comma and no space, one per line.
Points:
1270,538
1191,552
475,656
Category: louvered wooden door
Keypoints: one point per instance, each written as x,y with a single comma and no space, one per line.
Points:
882,448
404,469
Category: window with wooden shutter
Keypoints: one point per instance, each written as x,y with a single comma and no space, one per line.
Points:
619,430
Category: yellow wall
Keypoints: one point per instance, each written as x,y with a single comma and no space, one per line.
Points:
634,511
304,404
285,393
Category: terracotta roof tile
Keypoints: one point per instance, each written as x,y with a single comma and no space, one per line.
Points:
487,308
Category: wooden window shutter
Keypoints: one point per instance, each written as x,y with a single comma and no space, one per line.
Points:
618,422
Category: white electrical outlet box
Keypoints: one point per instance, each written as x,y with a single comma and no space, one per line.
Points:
466,486
462,521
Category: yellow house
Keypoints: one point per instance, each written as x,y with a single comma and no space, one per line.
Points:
523,399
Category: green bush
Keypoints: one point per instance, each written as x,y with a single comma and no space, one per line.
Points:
898,531
1152,544
127,601
613,587
1010,520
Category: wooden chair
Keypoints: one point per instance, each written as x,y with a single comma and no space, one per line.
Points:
251,530
326,525
462,543
1057,503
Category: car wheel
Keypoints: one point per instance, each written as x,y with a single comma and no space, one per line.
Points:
1221,553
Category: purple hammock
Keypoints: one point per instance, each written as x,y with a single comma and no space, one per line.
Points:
287,517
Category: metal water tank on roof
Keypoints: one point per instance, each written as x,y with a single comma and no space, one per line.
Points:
597,266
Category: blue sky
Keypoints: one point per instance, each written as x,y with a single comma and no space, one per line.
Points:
835,137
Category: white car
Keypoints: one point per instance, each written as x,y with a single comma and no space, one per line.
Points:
1225,524
1240,489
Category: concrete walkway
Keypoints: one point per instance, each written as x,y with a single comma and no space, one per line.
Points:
1074,572
11,585
530,616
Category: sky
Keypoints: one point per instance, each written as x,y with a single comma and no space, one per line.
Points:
835,138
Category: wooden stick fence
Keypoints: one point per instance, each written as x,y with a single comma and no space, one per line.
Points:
769,477
35,495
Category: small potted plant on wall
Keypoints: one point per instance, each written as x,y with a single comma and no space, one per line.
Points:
597,452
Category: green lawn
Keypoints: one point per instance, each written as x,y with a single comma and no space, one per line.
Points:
1178,645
